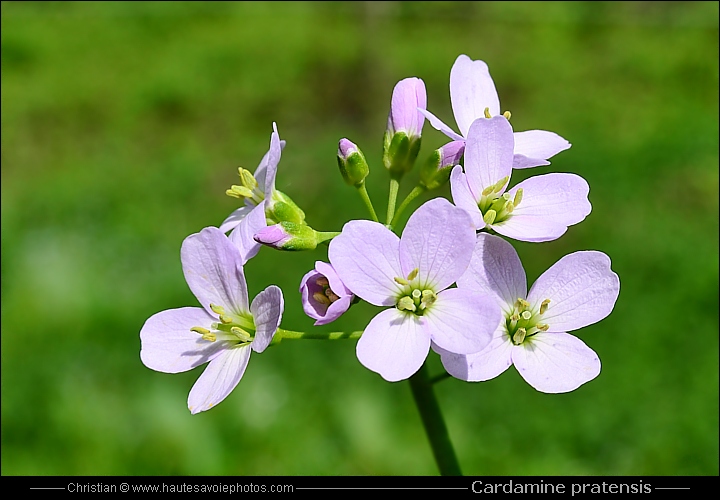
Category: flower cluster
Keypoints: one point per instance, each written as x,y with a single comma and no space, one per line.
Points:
446,283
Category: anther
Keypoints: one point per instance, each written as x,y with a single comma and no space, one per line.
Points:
509,207
321,298
225,319
544,306
217,309
406,303
247,179
488,190
489,216
519,336
487,113
401,281
428,297
200,330
413,274
522,304
331,295
500,184
507,114
543,327
242,334
322,281
242,191
232,193
518,197
210,337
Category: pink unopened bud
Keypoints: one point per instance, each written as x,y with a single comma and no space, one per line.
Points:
408,95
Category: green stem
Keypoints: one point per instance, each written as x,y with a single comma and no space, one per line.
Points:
432,419
394,187
418,190
325,235
282,334
366,198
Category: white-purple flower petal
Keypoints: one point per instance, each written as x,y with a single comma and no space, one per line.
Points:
219,378
582,290
487,364
267,309
213,271
242,235
534,147
394,344
471,91
463,197
366,258
488,153
556,362
438,241
562,198
335,297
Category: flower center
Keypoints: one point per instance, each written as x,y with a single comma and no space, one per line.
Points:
522,323
327,296
230,328
248,189
414,299
497,206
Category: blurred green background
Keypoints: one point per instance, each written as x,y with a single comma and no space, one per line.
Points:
123,124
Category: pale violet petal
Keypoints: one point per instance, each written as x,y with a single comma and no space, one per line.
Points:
471,91
480,366
308,287
234,218
555,362
560,198
495,270
335,310
336,284
242,235
213,270
582,290
408,97
462,321
438,240
488,153
366,258
463,197
261,170
274,154
438,124
167,344
530,228
266,309
219,378
522,161
537,146
394,344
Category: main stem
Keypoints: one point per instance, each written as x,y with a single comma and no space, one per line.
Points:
432,419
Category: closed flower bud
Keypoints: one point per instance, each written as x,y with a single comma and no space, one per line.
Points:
405,123
288,236
436,171
351,161
281,208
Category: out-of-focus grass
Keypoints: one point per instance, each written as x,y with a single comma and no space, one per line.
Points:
122,125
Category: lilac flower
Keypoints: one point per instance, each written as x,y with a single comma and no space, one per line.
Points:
324,296
411,275
255,190
223,332
578,290
472,91
538,209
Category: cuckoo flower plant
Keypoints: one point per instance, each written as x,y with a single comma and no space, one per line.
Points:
473,96
538,209
410,275
223,332
578,290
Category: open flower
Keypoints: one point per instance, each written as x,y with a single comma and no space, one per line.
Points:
472,92
223,332
411,275
578,290
254,190
324,296
538,209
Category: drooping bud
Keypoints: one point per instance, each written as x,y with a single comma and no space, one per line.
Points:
436,171
324,296
351,161
405,123
288,236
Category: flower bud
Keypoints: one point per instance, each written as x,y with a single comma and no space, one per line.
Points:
351,161
287,236
405,123
324,296
436,171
